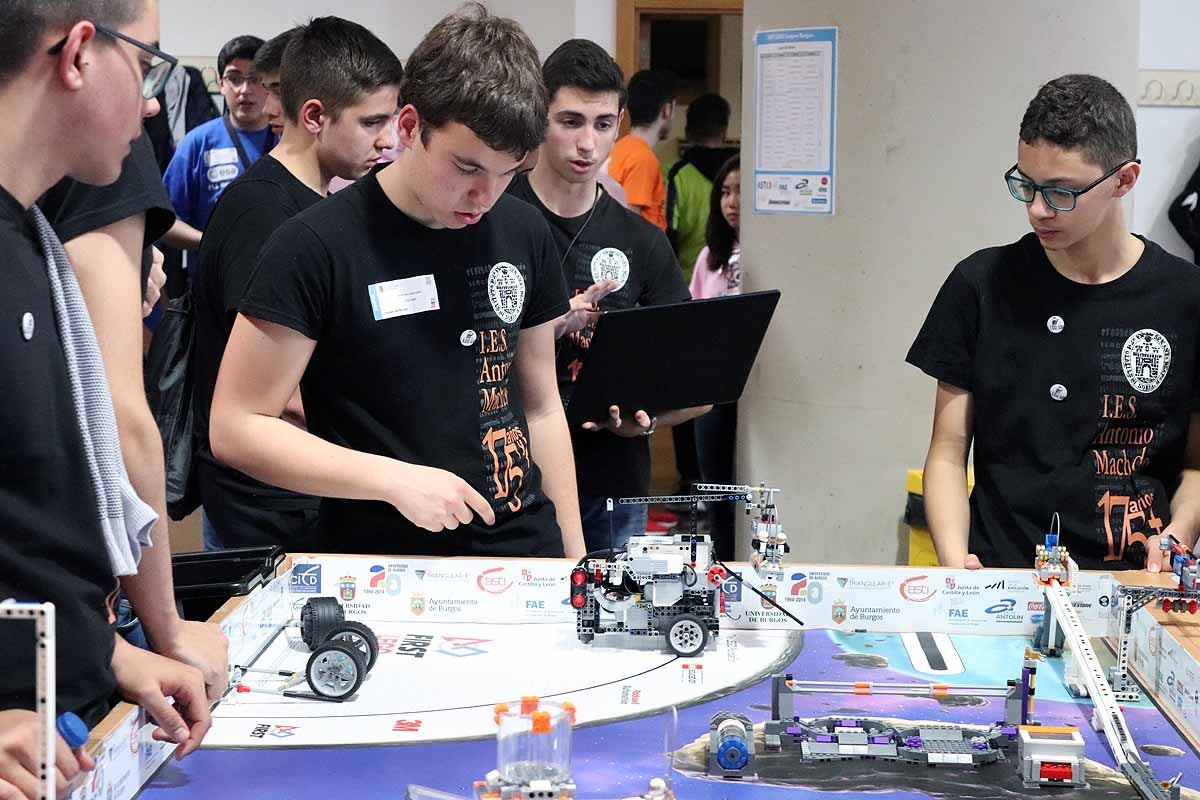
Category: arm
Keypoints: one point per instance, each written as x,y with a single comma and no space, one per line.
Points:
549,438
946,503
1185,504
20,752
183,236
260,371
107,263
148,680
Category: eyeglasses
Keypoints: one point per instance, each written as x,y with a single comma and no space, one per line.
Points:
237,80
154,76
1059,198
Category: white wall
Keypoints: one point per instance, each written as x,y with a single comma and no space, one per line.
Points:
1168,138
930,96
198,29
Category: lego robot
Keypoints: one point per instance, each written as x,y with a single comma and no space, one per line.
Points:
661,589
343,652
768,540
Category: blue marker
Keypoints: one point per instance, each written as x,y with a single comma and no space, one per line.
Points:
72,729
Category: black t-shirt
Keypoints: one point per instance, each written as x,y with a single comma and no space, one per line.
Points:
415,329
51,547
638,255
1082,398
75,208
248,212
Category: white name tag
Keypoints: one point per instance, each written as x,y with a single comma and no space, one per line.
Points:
402,297
220,155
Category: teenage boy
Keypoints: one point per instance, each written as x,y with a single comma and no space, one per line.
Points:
634,164
1068,358
596,238
213,154
415,310
65,67
268,63
338,87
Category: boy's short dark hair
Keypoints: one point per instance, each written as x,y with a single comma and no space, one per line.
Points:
269,58
238,47
649,91
480,71
583,64
335,61
1085,113
24,23
707,117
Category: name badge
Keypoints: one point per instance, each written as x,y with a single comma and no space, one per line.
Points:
402,297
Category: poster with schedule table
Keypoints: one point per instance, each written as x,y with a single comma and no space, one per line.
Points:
796,101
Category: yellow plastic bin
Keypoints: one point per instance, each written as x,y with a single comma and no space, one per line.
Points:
920,544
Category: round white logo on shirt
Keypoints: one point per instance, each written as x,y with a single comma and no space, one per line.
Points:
1146,359
467,338
27,326
610,264
506,290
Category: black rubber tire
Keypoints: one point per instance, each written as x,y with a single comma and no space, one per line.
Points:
335,669
358,636
318,618
686,635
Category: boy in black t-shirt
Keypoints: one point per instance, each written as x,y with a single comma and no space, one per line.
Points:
338,86
611,258
1069,358
62,70
415,310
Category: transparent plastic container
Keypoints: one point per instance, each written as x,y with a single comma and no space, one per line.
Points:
534,740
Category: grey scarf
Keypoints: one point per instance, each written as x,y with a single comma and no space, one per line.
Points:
125,520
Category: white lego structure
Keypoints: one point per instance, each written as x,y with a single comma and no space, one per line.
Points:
42,616
1050,756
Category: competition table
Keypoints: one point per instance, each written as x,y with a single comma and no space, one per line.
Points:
458,636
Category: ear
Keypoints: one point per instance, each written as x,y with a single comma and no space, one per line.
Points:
76,54
1126,178
312,116
408,126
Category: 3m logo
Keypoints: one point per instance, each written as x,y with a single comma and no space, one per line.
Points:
406,726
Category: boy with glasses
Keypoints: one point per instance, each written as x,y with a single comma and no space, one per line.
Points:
1069,360
213,154
69,523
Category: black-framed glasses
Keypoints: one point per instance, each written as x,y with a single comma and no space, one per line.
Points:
1059,198
154,77
237,80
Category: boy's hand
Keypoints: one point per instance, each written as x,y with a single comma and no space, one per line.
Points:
19,758
149,679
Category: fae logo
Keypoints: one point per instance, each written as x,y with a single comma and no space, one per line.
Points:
1005,606
493,581
461,647
539,605
916,590
306,579
958,614
378,576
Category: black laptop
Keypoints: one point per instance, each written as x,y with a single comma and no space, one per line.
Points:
681,355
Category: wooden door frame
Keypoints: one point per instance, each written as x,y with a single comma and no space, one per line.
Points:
629,17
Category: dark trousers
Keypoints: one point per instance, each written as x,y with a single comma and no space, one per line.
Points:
686,462
716,445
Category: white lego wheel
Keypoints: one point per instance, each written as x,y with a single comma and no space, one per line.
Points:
687,636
